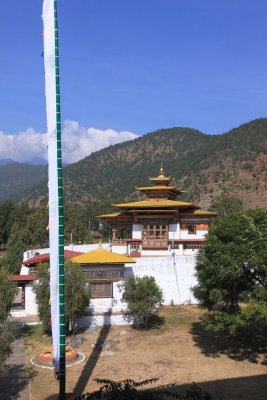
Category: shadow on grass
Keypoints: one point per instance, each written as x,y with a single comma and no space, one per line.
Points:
154,322
92,360
239,349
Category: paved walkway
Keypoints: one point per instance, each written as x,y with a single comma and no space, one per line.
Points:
15,385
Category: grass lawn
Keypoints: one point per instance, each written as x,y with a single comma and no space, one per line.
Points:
177,350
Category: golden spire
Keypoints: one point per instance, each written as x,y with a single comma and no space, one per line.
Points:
161,171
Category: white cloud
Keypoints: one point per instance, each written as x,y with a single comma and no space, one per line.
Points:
77,143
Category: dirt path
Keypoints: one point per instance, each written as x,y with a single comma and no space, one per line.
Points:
15,385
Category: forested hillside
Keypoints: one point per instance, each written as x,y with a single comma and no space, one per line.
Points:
204,165
17,178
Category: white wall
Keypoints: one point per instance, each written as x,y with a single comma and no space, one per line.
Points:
197,235
137,231
30,301
83,248
174,231
103,305
175,275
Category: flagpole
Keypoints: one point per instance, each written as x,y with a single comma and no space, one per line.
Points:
62,360
56,216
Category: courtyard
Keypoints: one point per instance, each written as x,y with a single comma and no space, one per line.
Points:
176,350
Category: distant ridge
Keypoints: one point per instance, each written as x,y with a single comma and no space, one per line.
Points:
17,178
6,161
203,165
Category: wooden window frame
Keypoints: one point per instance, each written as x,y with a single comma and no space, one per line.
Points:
101,283
153,234
107,275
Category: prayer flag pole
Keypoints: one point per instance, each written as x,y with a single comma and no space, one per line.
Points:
56,216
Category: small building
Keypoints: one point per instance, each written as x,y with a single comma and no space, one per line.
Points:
105,271
24,303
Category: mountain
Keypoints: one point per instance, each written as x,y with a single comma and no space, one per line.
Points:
204,165
6,161
17,178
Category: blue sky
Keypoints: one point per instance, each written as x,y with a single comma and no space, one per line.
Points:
138,65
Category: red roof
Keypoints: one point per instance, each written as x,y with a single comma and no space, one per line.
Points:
21,278
45,257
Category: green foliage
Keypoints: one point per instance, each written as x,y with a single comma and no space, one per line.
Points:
143,296
7,293
233,262
17,179
6,209
41,289
129,390
77,295
16,245
226,205
75,226
250,323
36,227
28,230
232,268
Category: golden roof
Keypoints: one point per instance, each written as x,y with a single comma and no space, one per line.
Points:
161,177
161,187
110,215
157,204
198,212
101,256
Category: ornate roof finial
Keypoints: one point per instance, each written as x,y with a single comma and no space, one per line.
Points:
100,244
161,171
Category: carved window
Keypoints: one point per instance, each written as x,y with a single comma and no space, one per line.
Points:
155,236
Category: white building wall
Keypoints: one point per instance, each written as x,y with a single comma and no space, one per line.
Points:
137,231
83,248
197,235
30,300
175,276
174,231
105,305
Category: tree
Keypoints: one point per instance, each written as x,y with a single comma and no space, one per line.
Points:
232,266
6,209
143,296
226,205
42,292
16,245
77,295
7,293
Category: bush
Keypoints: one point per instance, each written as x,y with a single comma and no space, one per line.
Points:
143,297
128,390
250,322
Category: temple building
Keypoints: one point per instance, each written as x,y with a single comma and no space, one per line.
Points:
158,236
159,223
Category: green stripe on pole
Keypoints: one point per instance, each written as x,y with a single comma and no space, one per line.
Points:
62,360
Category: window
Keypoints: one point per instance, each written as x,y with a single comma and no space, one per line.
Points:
191,229
101,289
155,236
104,274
